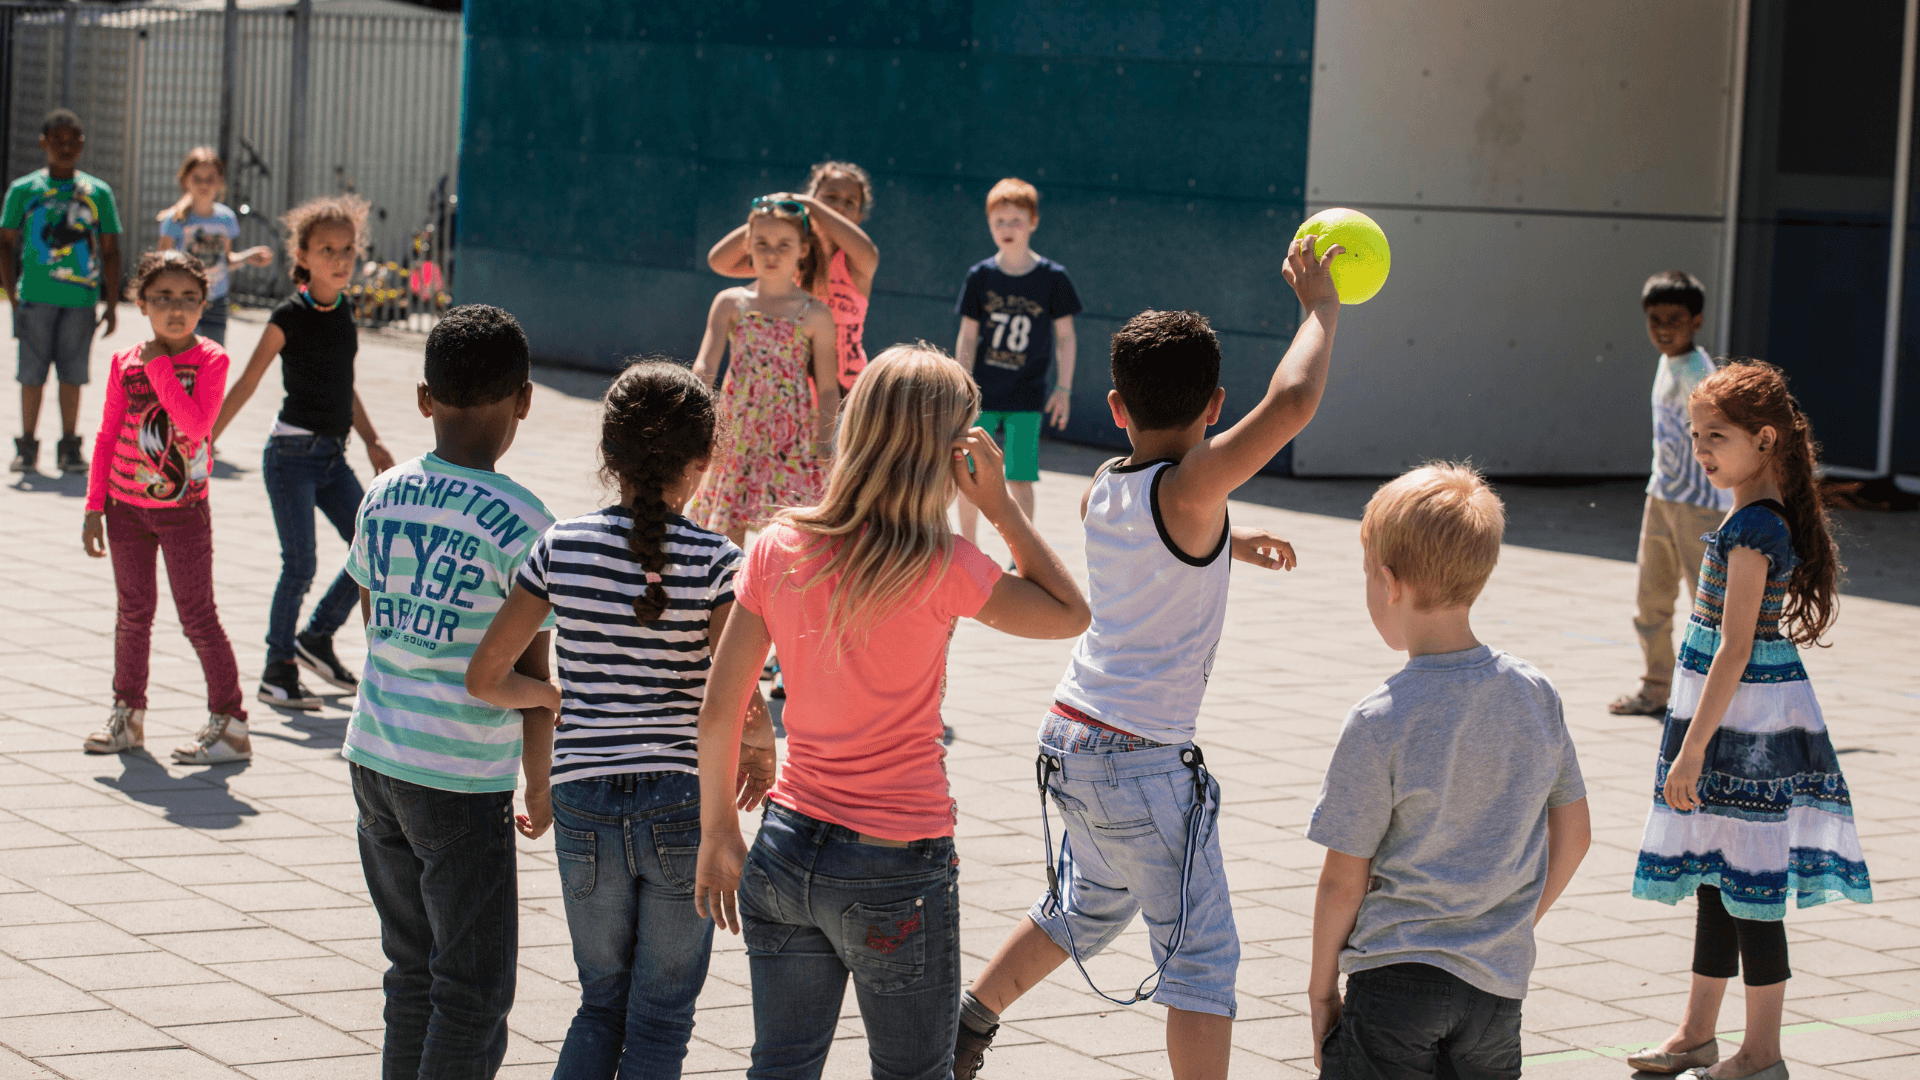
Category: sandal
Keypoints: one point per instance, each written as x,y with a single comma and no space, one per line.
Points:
125,730
1637,704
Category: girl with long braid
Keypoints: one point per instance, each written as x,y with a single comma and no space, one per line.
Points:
638,595
1749,807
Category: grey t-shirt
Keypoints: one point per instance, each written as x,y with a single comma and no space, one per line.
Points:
1443,777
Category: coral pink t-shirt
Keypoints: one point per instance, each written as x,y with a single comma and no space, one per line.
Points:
863,725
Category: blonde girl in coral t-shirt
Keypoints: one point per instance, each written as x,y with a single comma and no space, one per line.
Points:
853,871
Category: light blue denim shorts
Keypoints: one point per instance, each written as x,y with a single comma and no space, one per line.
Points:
1124,817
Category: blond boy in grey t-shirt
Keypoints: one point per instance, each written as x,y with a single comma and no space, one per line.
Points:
1453,812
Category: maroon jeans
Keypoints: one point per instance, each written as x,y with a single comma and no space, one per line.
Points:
135,535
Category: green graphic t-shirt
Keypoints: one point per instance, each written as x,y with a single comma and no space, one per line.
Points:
60,223
437,545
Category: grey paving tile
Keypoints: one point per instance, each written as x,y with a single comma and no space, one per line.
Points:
249,1042
327,1068
168,1006
308,974
120,971
178,1064
171,916
53,1035
85,938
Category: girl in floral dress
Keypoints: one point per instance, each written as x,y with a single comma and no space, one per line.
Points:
1749,807
839,197
776,335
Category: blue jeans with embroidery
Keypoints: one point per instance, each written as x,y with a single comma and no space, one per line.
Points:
819,904
627,845
305,473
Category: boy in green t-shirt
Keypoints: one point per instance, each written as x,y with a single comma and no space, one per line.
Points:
59,256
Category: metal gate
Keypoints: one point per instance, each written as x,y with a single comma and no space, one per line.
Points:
301,103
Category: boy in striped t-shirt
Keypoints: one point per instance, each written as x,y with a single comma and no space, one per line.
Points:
436,544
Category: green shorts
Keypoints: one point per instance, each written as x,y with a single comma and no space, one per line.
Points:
1019,436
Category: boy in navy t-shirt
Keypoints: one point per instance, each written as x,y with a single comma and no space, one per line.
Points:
1016,316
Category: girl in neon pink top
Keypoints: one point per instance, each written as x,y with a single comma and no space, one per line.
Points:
147,493
839,197
853,871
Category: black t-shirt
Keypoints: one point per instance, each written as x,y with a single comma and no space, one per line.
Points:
1016,330
317,365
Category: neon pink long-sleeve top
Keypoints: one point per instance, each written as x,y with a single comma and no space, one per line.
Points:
152,450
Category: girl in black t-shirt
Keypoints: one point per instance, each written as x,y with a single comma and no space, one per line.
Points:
305,463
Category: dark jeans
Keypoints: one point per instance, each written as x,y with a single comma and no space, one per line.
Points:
440,866
818,904
304,473
627,846
1415,1020
136,537
1722,942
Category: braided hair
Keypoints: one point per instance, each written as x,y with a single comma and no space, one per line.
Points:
659,418
1754,394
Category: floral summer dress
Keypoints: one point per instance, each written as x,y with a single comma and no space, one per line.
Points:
770,462
1775,820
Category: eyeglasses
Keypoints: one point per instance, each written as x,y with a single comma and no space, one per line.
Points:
175,303
791,206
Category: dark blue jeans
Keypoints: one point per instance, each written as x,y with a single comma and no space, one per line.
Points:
818,904
305,473
440,866
1408,1021
627,846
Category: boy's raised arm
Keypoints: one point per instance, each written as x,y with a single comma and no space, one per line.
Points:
1212,470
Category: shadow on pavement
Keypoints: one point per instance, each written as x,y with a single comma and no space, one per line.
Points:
298,728
203,796
71,485
1578,515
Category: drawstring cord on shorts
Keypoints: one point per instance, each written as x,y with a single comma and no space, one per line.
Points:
1044,767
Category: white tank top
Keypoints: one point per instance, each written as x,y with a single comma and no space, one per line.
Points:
1142,665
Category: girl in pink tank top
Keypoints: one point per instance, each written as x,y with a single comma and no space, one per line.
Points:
839,196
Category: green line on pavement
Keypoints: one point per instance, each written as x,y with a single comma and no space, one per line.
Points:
1558,1056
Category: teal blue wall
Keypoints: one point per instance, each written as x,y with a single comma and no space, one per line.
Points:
607,144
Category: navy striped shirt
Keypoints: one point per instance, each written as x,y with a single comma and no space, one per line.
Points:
629,694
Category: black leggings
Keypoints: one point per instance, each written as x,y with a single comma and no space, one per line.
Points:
1721,943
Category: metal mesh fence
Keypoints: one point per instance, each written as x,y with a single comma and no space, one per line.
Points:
382,112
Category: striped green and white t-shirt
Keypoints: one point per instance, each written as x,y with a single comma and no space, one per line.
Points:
437,545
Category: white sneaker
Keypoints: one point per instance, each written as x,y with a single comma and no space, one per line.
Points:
125,730
224,739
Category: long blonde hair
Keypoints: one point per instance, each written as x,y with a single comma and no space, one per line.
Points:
883,523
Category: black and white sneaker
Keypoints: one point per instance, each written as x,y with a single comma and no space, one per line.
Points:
316,655
280,685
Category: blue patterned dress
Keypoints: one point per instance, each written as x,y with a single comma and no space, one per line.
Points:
1775,819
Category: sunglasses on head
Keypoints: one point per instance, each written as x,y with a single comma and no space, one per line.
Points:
791,206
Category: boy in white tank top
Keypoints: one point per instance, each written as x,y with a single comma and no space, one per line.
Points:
1117,754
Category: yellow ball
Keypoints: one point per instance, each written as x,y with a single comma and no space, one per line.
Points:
1361,269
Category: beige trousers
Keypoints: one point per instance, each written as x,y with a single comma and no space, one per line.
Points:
1670,553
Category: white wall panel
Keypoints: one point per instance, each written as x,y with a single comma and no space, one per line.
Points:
1514,341
1532,161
